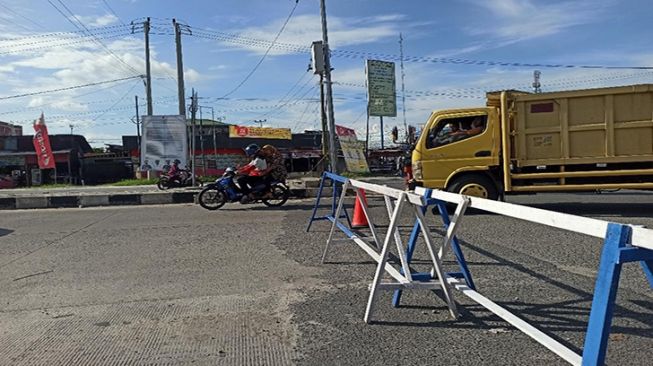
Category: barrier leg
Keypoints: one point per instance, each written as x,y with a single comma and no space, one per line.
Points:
336,216
414,234
394,220
455,247
401,252
453,225
605,292
437,264
317,204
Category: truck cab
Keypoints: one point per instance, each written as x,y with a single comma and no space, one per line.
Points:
459,151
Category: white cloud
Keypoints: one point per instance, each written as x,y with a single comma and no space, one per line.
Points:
87,63
96,21
518,20
304,29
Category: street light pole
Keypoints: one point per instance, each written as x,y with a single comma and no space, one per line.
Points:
333,154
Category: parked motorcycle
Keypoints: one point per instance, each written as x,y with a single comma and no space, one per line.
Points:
224,190
182,179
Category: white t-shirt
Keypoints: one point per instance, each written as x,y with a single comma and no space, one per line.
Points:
259,164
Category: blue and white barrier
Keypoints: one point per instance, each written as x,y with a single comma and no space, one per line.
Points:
622,244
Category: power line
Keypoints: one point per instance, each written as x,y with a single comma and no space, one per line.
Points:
265,54
20,15
68,88
116,103
54,37
287,94
112,12
89,32
53,34
84,103
247,41
49,45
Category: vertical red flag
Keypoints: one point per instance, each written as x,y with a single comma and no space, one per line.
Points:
42,144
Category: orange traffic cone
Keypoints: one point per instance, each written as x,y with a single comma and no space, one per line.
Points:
359,220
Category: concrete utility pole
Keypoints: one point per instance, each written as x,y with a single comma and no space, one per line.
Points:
323,119
329,92
202,143
193,112
180,67
148,72
260,122
138,131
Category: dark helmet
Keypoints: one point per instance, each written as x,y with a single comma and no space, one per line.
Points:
177,162
252,149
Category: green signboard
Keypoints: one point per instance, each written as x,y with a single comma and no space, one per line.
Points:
381,88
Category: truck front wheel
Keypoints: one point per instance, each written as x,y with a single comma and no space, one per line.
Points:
475,185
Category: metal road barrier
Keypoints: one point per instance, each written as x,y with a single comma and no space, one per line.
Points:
622,244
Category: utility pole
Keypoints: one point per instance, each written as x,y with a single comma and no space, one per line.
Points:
329,91
179,28
325,130
260,122
403,88
138,132
71,129
193,112
215,153
215,143
367,134
148,72
202,143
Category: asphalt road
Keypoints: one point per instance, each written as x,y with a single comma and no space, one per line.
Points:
244,286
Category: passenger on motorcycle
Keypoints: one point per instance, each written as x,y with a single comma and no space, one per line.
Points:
274,159
253,173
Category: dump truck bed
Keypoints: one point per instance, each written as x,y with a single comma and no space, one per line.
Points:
592,126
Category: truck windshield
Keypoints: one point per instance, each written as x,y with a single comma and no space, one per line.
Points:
451,130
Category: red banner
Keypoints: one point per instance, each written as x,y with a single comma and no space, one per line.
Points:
42,144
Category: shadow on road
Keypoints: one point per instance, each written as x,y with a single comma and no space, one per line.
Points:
4,232
548,315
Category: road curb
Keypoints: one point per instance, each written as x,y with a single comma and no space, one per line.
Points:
298,191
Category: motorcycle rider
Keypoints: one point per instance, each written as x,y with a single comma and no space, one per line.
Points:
174,168
253,173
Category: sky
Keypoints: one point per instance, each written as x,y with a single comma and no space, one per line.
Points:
454,52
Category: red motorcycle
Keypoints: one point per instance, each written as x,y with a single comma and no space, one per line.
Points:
182,178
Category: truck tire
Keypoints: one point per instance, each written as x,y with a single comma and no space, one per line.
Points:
475,185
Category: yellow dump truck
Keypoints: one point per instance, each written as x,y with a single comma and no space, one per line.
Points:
580,140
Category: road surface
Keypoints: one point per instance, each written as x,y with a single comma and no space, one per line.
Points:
177,284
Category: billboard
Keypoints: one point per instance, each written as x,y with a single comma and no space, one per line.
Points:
259,133
352,149
381,89
164,139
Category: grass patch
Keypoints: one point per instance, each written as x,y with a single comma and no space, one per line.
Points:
357,175
52,185
134,182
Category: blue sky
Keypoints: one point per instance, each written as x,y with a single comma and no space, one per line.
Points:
230,37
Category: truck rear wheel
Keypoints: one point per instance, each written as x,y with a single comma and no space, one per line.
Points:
475,185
